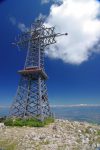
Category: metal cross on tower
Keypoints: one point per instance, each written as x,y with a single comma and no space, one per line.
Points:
31,99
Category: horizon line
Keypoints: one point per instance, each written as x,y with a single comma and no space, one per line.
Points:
76,105
61,105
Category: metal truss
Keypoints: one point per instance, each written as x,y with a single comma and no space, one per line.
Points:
31,99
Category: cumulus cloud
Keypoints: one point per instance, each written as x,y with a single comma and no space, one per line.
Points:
41,16
20,26
45,1
79,19
13,20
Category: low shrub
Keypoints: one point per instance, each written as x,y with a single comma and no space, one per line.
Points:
2,119
31,122
8,122
48,120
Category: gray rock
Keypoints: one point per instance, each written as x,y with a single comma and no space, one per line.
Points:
54,128
2,125
42,137
57,136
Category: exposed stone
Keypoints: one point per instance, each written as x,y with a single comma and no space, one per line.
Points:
2,125
54,127
60,135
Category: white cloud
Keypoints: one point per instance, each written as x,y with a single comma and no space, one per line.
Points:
45,1
13,20
41,16
79,19
22,27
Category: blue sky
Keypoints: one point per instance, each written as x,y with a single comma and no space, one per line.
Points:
67,84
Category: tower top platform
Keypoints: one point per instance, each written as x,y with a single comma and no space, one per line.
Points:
33,71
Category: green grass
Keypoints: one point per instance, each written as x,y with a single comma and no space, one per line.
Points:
62,147
98,132
7,145
31,122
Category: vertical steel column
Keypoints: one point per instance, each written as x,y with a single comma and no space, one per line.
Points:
40,99
27,98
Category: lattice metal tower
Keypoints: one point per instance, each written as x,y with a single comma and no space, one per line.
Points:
31,99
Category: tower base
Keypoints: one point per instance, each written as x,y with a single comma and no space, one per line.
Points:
31,99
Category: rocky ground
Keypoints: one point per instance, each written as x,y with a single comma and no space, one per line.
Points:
60,135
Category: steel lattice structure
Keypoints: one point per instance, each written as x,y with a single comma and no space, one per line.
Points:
31,99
